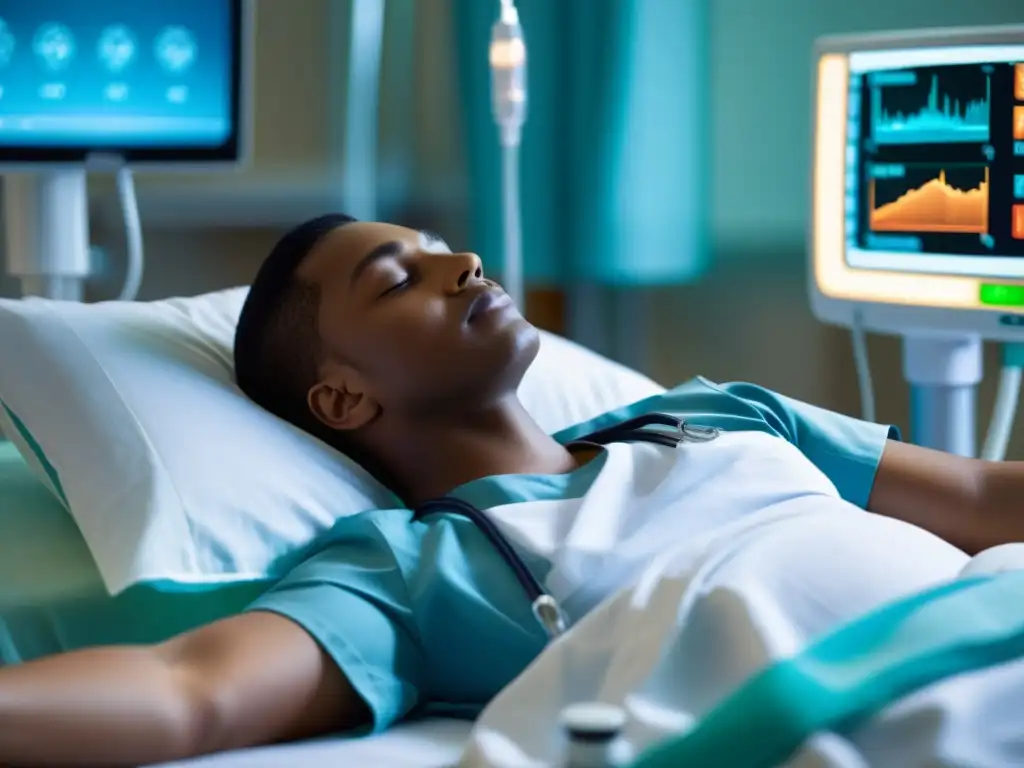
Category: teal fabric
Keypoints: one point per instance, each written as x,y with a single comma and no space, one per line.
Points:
845,449
613,163
855,671
37,450
52,597
515,489
42,554
419,615
425,616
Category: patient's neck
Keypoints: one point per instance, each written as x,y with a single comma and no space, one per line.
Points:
434,456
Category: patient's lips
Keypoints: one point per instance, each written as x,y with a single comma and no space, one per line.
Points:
488,302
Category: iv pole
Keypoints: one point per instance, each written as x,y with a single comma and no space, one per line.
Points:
508,94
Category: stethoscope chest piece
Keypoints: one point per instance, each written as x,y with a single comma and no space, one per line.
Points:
692,433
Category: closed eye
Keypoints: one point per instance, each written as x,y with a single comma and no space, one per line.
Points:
399,286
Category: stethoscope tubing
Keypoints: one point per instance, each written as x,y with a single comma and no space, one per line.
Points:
545,608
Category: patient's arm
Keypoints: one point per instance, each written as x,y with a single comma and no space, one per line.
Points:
972,504
252,679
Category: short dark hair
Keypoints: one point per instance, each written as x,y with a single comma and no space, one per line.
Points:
277,344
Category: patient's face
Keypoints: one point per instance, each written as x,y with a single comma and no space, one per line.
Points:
420,327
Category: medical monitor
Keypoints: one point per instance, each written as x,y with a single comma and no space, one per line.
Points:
917,217
144,81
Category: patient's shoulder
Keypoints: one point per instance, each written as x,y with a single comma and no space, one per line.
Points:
376,528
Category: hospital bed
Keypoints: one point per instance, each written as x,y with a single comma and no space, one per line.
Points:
425,744
50,587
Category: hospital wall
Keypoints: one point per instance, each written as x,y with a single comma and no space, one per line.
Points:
747,319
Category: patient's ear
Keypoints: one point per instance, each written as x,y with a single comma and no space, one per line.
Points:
342,401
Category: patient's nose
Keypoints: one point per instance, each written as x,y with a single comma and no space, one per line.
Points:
464,270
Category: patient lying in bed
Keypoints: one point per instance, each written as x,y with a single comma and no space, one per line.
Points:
383,342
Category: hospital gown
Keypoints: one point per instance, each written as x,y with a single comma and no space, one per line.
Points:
426,617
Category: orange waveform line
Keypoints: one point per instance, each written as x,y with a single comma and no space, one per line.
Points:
935,206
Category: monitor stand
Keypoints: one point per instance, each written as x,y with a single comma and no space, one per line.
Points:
943,374
46,216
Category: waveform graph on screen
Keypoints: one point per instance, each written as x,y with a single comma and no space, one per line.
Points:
940,105
928,198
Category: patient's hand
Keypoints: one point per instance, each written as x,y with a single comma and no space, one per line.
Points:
245,681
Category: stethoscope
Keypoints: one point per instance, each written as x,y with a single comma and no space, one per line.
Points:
546,609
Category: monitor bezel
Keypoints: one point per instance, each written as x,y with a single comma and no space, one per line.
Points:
996,323
232,153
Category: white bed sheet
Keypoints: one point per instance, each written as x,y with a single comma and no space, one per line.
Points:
424,744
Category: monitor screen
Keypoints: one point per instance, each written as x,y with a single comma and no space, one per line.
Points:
150,80
935,161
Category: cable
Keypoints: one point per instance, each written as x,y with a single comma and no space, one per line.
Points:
133,232
1005,408
863,365
1003,412
507,57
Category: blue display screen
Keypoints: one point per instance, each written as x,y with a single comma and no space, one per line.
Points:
113,75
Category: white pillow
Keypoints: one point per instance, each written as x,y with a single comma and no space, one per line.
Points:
129,413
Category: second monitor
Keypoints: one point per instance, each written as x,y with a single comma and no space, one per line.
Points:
159,81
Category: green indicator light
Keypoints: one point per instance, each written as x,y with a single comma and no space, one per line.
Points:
1002,295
